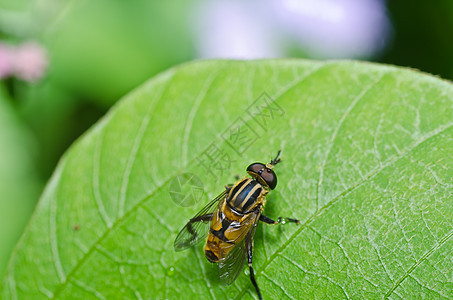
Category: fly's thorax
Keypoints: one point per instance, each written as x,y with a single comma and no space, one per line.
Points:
246,194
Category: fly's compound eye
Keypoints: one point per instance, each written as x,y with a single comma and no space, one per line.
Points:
263,174
269,176
255,168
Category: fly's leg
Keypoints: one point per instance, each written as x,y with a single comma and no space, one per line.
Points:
203,218
252,273
280,220
228,187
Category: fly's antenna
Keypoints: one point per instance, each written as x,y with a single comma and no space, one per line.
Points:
276,160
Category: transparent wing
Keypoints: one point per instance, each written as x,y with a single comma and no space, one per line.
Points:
197,228
232,265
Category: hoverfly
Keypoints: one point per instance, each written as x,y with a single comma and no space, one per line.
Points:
232,218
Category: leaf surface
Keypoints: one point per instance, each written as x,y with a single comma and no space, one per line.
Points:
366,166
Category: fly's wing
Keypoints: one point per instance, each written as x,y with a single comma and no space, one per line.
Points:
197,228
232,265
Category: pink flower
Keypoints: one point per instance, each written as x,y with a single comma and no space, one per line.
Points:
30,61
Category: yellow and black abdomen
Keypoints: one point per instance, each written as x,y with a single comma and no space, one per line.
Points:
232,220
225,232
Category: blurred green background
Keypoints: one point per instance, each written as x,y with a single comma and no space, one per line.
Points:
63,64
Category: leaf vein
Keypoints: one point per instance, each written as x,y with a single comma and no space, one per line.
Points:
418,262
54,241
345,115
201,96
95,183
315,274
131,159
133,154
279,285
88,289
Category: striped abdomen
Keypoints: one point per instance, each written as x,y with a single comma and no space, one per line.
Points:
232,220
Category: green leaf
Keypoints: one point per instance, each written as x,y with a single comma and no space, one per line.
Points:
366,166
